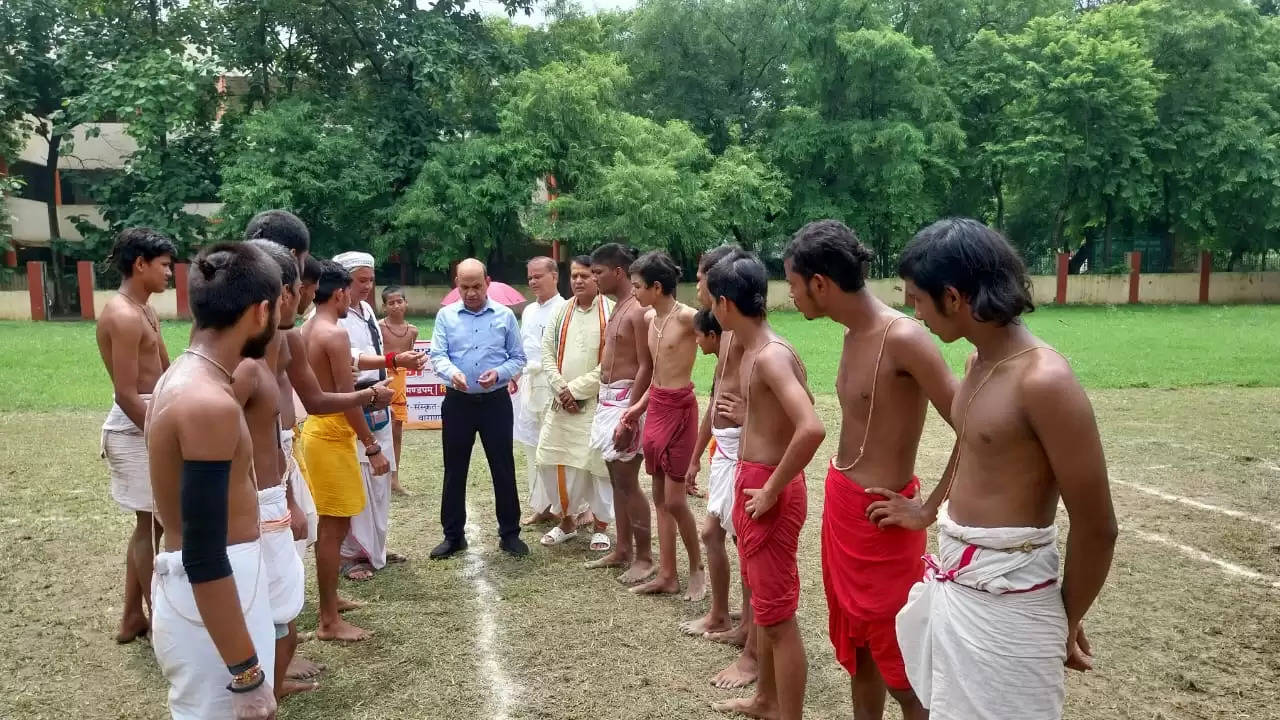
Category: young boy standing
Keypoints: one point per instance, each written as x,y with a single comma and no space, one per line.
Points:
397,336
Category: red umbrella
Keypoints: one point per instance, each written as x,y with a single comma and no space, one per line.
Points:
499,292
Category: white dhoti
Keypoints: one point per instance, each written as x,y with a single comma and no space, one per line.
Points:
368,537
614,399
196,673
285,573
580,490
984,634
125,450
301,492
724,465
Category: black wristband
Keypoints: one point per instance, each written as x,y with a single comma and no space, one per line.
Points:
262,677
237,669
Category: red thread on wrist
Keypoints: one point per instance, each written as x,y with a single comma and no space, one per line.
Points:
391,361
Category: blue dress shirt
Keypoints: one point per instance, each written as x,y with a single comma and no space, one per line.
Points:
473,342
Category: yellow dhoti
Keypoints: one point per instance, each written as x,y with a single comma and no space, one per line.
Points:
332,472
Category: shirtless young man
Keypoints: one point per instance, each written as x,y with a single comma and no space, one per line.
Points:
133,351
889,370
723,422
398,336
771,501
625,371
211,623
671,426
333,472
281,520
987,632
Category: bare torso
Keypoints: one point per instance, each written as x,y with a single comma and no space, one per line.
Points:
729,364
768,429
123,320
288,418
320,335
1003,477
888,457
190,391
672,345
621,357
256,387
397,338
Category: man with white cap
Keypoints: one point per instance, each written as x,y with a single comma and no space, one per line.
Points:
365,548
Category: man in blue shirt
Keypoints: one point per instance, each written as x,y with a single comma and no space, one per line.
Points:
476,348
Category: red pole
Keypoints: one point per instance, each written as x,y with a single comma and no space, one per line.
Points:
11,257
180,272
1206,267
35,288
1135,274
1064,265
84,276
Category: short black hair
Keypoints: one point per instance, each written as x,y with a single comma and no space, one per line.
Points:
613,255
333,277
705,322
975,260
831,249
741,278
287,262
390,290
583,260
227,279
280,226
656,266
713,256
140,242
311,270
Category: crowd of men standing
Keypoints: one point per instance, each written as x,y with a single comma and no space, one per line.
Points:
230,482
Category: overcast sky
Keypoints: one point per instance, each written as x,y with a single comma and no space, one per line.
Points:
495,7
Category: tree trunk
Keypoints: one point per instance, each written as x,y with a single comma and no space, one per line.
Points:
998,186
1106,232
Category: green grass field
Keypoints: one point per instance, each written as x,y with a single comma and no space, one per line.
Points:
1186,628
54,366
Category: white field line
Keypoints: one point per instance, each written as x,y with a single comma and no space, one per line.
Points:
1267,463
1229,568
500,687
1237,514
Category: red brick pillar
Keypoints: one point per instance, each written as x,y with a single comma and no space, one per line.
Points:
11,257
84,276
1206,267
180,282
1135,274
35,288
1064,264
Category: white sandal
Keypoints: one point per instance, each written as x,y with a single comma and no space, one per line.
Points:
601,542
556,536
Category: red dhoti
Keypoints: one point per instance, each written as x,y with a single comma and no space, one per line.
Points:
867,573
670,431
767,545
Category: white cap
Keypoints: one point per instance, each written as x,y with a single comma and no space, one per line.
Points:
354,259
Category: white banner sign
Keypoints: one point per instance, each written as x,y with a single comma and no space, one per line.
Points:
424,391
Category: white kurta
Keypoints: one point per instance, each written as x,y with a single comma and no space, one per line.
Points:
368,536
532,395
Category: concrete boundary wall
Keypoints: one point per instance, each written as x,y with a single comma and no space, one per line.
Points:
1174,288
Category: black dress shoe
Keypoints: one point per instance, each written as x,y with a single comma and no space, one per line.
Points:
448,549
514,546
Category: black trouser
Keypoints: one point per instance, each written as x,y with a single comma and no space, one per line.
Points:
462,416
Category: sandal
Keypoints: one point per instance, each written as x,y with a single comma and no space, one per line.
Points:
556,536
601,542
356,571
395,558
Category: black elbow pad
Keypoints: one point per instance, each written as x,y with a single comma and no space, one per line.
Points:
204,519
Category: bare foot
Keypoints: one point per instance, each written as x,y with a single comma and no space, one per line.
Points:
697,586
740,673
301,668
540,518
751,707
705,624
658,586
638,572
342,631
612,560
132,628
396,558
399,490
292,687
735,636
345,605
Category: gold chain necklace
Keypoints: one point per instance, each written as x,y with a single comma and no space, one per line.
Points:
146,311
